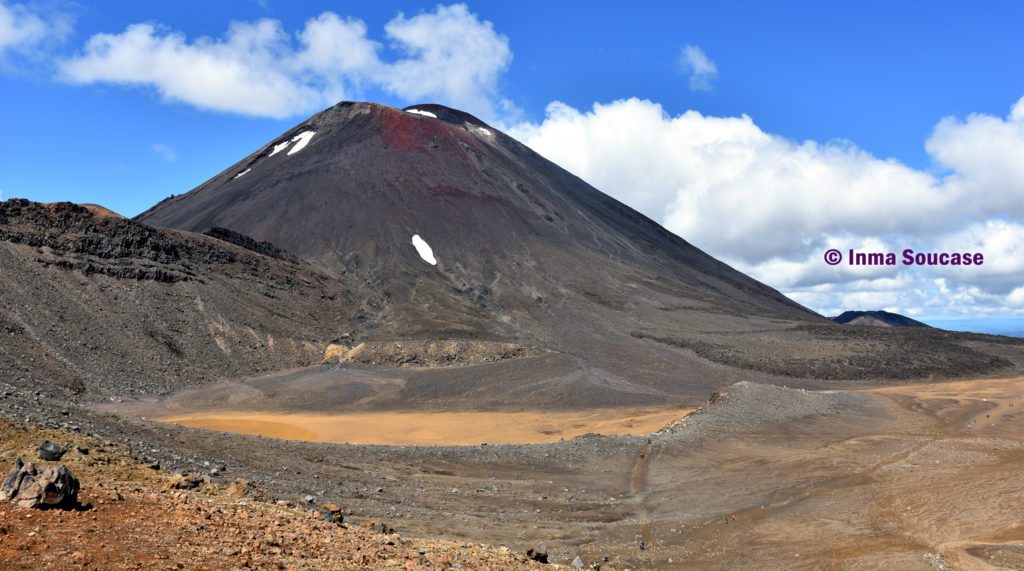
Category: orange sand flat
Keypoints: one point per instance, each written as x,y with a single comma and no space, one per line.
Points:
990,405
441,428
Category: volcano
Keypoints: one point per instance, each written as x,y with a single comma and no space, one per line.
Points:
412,259
459,224
465,233
462,236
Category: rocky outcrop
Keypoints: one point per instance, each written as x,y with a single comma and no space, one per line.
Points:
243,241
427,352
105,304
26,486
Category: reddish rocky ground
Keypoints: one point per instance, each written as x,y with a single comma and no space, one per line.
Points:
139,519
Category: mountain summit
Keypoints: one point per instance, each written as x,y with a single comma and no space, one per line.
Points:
449,238
455,221
443,264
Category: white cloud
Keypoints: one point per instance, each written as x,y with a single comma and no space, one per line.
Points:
19,27
165,152
984,153
1002,243
450,54
702,70
1016,297
258,69
772,206
734,188
766,204
27,32
251,71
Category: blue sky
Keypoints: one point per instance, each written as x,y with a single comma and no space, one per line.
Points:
868,79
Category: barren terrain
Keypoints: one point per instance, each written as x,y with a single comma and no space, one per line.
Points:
436,428
526,383
923,476
134,517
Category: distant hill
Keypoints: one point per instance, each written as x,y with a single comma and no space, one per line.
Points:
877,319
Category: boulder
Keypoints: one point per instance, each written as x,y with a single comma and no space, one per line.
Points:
26,486
538,553
186,482
51,452
332,513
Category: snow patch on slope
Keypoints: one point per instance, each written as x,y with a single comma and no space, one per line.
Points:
241,173
301,140
424,249
481,132
421,112
279,147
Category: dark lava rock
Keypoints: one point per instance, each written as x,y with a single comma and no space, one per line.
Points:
51,452
538,553
332,513
55,486
241,240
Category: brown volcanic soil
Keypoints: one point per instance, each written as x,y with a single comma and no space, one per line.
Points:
911,480
908,477
137,519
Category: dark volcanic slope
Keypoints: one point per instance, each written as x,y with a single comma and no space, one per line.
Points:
93,302
876,318
510,230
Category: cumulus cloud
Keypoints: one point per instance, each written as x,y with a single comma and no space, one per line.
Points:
450,53
772,206
251,71
767,204
740,191
983,154
257,68
19,27
26,32
700,67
